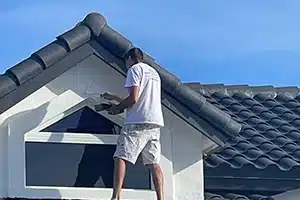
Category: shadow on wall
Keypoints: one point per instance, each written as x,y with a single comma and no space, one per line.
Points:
91,168
96,161
93,164
20,119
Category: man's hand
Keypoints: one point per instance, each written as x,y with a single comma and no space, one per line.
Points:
111,97
114,110
108,96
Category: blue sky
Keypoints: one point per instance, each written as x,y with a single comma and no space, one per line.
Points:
251,42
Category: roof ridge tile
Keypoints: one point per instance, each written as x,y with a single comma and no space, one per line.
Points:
251,90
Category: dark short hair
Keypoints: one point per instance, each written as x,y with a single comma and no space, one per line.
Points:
135,54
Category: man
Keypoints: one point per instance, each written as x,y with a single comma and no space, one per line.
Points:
144,118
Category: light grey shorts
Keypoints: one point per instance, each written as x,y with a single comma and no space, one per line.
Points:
139,138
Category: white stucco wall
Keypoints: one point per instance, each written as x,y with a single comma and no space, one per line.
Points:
187,160
3,162
2,152
290,195
180,142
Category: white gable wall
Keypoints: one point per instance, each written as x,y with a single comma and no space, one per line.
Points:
187,160
180,142
289,195
3,162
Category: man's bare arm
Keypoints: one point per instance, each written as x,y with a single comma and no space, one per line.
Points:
130,100
118,99
127,102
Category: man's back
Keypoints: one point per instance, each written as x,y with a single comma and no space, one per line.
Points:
148,109
141,132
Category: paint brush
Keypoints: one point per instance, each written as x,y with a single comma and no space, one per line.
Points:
102,106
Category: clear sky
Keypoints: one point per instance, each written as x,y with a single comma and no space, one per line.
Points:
251,42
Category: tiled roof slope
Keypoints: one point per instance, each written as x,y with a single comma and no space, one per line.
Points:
233,196
269,143
95,27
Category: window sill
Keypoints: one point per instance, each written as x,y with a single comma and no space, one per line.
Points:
83,193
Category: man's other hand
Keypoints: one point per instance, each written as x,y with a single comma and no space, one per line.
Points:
108,96
114,110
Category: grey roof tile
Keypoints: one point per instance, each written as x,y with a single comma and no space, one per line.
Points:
94,27
51,53
32,68
7,84
75,37
270,136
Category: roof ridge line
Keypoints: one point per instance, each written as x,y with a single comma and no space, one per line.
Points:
250,90
229,85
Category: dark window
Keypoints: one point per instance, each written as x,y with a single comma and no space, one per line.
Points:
84,120
78,165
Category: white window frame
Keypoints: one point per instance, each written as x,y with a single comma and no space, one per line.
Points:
16,151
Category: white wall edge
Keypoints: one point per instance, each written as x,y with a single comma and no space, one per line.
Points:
74,138
84,193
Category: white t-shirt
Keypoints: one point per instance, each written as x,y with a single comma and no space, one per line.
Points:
148,109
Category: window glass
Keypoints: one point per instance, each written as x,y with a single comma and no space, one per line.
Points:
84,120
78,165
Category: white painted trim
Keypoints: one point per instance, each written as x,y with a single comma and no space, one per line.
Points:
63,105
81,193
74,138
72,106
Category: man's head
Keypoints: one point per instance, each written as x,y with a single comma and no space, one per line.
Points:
133,56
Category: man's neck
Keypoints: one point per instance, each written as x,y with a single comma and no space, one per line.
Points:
136,63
